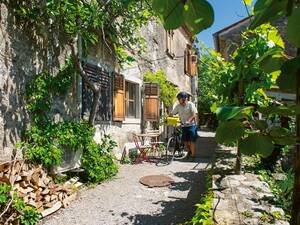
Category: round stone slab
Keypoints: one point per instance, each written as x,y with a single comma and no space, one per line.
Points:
156,181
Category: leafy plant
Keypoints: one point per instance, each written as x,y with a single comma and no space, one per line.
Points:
98,162
248,214
282,190
197,15
41,90
167,90
45,145
72,18
204,212
18,210
215,72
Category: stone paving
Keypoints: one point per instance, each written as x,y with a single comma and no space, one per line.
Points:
124,200
241,199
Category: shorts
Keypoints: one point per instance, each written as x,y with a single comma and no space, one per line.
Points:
189,133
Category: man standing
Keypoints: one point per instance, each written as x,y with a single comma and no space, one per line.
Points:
187,113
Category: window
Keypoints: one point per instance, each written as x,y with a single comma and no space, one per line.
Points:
131,100
190,61
104,79
170,48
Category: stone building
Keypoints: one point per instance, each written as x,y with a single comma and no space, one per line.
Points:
170,51
22,56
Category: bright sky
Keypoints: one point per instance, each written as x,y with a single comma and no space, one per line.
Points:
227,12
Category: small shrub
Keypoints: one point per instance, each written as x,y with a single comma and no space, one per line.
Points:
248,214
45,146
19,212
204,213
98,162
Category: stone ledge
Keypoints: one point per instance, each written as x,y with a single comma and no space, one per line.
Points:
240,199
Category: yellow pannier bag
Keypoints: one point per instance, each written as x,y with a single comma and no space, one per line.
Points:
172,121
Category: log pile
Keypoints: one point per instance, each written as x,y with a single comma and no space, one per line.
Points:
36,188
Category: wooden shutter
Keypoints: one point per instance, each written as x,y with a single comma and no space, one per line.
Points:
119,98
151,102
187,60
193,65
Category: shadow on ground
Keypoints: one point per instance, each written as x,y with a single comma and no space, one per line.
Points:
176,210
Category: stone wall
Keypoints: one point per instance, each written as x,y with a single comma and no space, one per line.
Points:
241,199
157,58
23,55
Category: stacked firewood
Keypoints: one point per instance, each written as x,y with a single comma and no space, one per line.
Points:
36,188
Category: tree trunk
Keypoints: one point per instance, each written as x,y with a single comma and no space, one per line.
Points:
96,96
296,194
95,89
238,164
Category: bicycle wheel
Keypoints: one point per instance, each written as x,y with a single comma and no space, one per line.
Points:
179,151
171,146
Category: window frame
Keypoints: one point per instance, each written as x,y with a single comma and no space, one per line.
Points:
169,43
129,85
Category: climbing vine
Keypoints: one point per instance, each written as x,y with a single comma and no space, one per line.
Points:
167,90
41,90
46,140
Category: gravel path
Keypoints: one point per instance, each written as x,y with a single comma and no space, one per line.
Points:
124,200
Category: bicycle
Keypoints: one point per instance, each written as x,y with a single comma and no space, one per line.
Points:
175,146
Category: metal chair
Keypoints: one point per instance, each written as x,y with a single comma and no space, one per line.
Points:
143,149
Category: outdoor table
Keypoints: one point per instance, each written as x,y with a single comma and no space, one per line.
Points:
154,137
152,145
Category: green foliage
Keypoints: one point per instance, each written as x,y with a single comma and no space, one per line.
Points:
267,11
249,69
215,72
4,190
204,212
18,210
233,112
116,20
30,216
248,214
167,90
98,161
247,60
282,190
170,12
45,140
293,28
229,132
45,146
41,90
256,144
197,15
287,79
253,136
